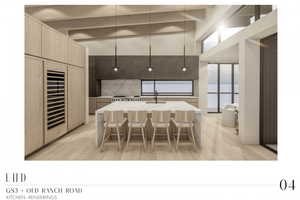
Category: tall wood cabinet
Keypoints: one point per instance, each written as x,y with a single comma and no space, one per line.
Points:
34,104
76,96
54,84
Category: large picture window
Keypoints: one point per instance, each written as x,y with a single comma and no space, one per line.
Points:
166,88
223,86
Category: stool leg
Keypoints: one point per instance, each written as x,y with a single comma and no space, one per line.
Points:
103,138
178,136
193,137
168,134
144,141
118,134
128,137
153,138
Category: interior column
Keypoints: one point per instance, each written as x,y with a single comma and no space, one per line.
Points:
249,63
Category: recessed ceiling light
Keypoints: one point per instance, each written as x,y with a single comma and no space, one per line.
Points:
116,69
150,69
184,69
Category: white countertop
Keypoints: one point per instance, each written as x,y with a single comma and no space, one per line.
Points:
143,106
190,97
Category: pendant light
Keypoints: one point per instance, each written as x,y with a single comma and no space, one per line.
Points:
149,68
116,68
184,67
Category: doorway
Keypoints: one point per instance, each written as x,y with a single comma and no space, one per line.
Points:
268,92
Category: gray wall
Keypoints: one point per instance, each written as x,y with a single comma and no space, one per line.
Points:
268,90
134,67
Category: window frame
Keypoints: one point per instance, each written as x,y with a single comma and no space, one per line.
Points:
218,93
154,80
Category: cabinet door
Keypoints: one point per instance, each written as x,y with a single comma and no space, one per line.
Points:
76,54
33,36
55,91
55,44
76,100
34,132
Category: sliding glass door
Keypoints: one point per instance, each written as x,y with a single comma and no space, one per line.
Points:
222,86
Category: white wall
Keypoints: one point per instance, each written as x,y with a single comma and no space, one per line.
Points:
249,63
166,44
203,85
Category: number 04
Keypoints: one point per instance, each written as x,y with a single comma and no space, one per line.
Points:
284,185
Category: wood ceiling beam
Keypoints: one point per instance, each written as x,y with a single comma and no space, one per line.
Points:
128,20
49,13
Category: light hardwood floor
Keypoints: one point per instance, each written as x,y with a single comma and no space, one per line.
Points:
218,143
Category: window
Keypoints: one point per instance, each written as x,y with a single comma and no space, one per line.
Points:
210,41
228,32
218,36
223,86
212,97
167,88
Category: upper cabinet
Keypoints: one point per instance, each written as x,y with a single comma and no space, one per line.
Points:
33,36
43,41
55,44
76,54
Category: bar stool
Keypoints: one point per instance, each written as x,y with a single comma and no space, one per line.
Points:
184,119
113,120
160,119
137,120
115,99
137,98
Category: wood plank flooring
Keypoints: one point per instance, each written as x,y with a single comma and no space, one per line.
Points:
218,143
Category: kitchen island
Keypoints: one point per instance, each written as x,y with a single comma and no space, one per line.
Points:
149,107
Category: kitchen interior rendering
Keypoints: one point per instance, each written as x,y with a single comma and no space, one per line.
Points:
150,82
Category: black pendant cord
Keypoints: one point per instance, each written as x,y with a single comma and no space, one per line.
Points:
150,63
184,26
184,56
116,57
116,45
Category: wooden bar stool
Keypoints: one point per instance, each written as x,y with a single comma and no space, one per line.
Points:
137,120
184,119
113,120
160,119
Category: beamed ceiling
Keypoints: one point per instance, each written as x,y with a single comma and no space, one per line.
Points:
92,22
88,22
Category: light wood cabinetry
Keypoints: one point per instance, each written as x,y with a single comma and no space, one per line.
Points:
76,54
34,105
55,44
92,105
76,97
50,110
33,36
51,133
